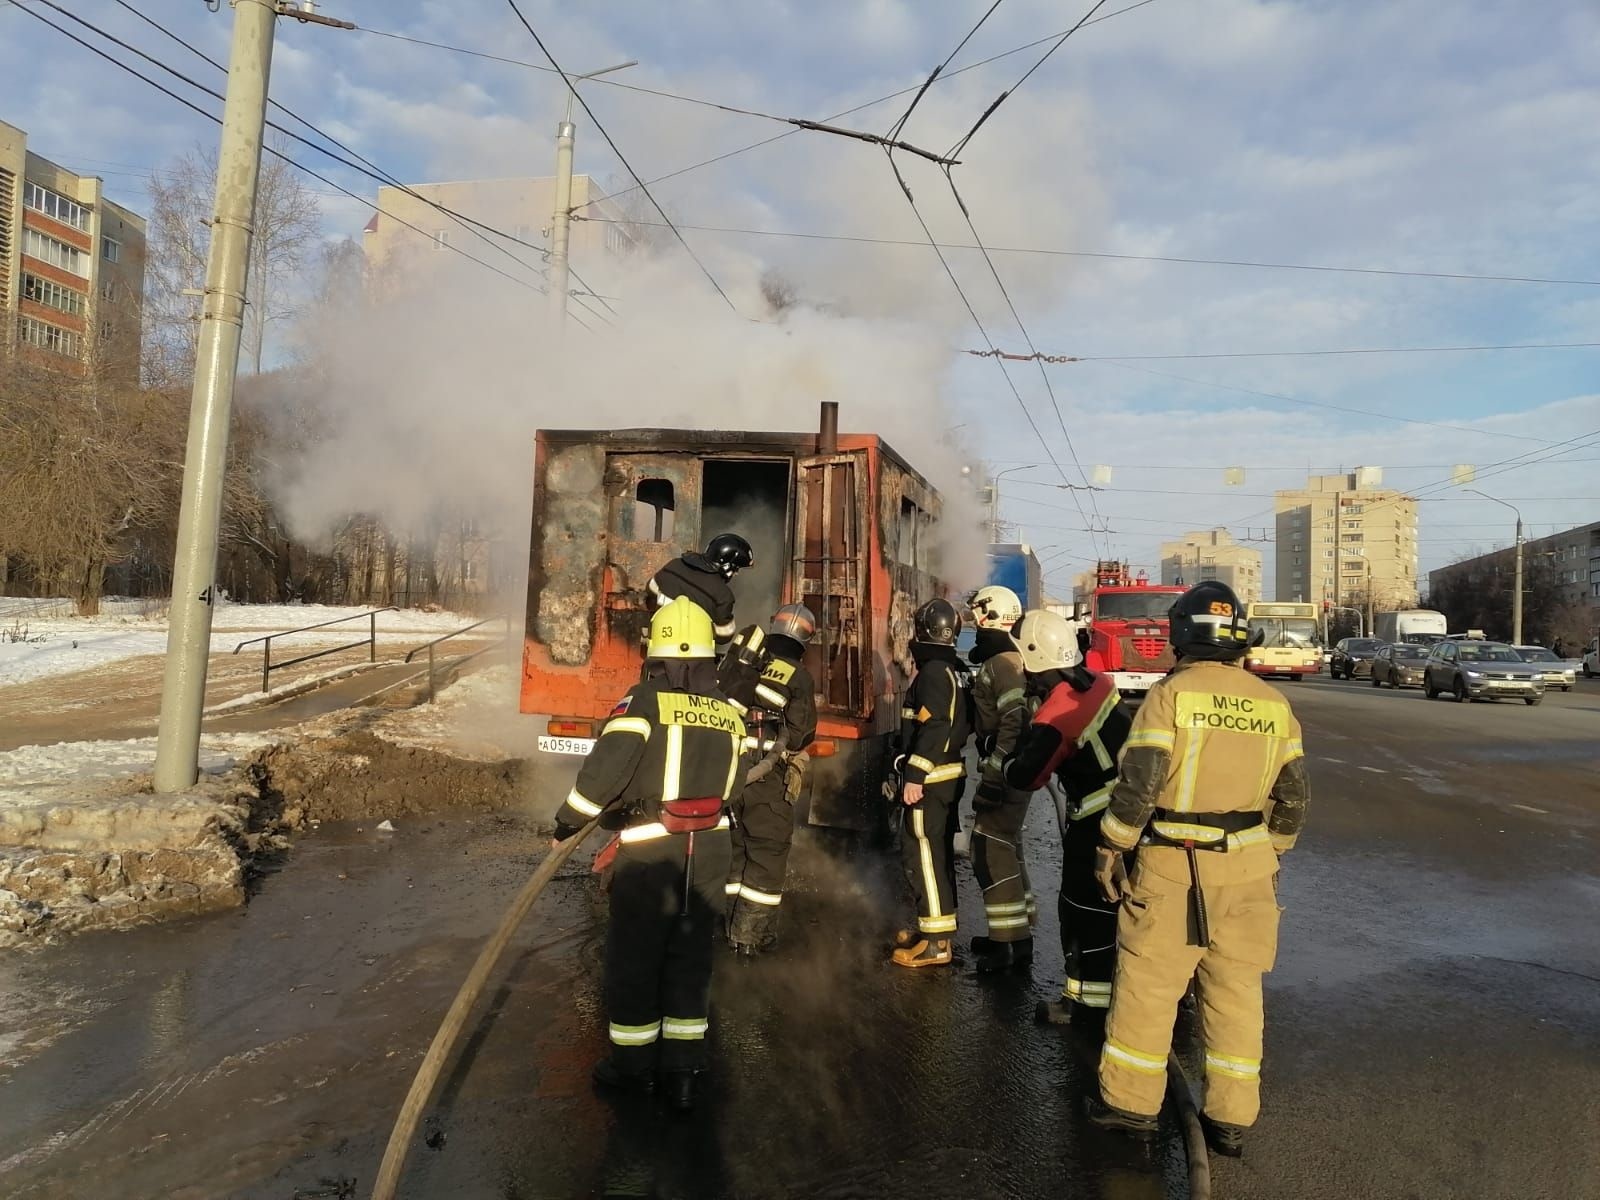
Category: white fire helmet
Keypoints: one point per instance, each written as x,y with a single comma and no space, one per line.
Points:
1048,642
996,608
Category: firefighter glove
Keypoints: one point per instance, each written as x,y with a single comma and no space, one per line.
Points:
1111,873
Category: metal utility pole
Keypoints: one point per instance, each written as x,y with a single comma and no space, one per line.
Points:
561,217
194,568
1516,582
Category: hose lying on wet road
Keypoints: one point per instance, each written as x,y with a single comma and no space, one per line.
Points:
1194,1138
405,1126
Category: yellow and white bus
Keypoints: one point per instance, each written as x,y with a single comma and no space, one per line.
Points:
1291,642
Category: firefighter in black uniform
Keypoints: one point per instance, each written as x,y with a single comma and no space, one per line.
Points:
1076,735
664,770
704,578
780,725
936,722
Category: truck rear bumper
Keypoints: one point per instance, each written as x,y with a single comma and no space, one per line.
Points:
1135,681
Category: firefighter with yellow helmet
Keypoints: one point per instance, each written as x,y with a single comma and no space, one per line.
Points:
664,769
1212,789
1000,715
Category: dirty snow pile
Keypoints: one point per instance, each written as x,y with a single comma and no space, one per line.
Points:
39,638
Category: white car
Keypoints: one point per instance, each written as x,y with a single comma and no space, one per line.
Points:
1591,660
1556,672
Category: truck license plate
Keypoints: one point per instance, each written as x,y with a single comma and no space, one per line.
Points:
564,745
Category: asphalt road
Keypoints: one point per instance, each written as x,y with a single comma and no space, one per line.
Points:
1433,1021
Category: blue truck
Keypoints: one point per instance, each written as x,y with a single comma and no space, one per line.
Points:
1014,565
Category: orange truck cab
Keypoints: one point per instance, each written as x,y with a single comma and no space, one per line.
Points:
838,522
1128,627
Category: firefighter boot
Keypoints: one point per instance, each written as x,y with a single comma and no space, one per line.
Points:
751,930
608,1075
1002,956
929,952
1102,1116
678,1089
1224,1139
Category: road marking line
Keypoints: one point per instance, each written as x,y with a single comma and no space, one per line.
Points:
1375,770
1544,812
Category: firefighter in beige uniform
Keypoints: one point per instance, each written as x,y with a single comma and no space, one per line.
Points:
1212,789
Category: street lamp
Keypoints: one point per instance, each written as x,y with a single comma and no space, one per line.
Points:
561,218
994,497
1516,583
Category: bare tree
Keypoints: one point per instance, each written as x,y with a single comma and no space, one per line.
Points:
287,226
84,465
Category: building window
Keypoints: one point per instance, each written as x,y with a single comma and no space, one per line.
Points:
55,206
108,290
1353,537
105,331
50,337
51,294
111,250
57,254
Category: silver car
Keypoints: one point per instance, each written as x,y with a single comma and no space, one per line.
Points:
1474,670
1557,672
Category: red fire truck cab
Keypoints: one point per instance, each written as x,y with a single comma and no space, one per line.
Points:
1128,627
838,522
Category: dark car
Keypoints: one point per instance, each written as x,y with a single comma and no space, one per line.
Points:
1353,657
1400,665
1474,670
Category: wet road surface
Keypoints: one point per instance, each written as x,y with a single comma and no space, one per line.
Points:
1432,1025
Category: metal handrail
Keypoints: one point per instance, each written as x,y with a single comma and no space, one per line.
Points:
370,641
465,658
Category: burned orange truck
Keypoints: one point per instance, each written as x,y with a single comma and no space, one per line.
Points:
839,522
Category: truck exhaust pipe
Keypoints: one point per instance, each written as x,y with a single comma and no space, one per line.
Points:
828,429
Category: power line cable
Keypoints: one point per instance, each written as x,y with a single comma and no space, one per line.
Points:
984,333
67,33
1035,356
858,108
899,126
601,129
1001,98
368,168
1364,412
1251,264
1044,375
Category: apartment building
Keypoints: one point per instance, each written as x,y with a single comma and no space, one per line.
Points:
71,266
1571,557
1344,536
409,229
1213,554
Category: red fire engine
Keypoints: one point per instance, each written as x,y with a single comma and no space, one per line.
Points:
1128,627
839,522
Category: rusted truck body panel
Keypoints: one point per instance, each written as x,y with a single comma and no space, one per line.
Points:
842,524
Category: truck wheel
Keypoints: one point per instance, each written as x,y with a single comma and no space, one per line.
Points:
1530,701
1461,691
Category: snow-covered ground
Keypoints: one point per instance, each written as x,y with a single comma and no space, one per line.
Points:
75,762
41,637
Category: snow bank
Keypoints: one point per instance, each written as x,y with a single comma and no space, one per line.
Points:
39,638
31,767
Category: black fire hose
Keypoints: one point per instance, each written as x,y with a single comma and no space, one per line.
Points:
1194,1137
405,1126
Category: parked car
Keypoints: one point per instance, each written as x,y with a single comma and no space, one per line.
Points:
1400,665
1557,672
1480,671
1591,660
1353,656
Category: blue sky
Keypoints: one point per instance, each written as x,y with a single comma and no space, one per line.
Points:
1389,134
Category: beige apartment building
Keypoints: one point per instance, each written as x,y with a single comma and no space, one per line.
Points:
409,230
71,266
1213,554
1344,535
